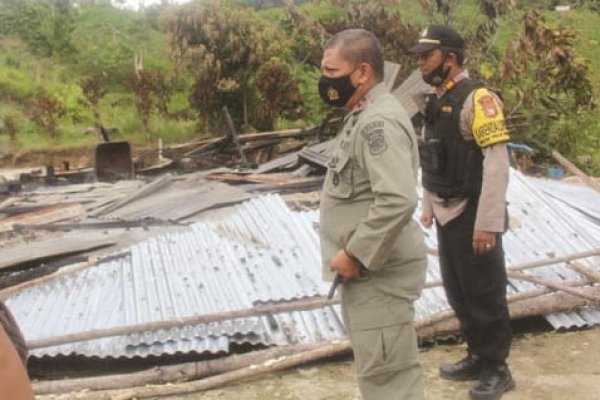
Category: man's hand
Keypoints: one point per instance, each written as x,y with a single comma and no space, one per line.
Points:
427,218
345,265
483,241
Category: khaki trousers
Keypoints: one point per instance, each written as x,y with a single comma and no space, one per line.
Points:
383,338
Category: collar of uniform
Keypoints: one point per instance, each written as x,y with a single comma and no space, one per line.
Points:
376,91
452,83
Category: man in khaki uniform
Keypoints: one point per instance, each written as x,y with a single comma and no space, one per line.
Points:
368,235
465,176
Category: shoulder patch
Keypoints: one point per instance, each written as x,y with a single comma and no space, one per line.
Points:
489,125
373,133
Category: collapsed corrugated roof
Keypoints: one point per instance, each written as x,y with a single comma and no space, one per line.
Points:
579,206
96,215
173,198
259,252
579,198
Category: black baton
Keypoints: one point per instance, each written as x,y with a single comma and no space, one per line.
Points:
336,281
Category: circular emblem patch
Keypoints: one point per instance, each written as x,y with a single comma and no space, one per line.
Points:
490,109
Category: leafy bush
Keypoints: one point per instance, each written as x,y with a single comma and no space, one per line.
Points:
212,53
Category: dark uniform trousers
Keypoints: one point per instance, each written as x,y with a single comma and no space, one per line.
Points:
475,286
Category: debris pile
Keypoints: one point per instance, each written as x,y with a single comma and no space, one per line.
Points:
215,275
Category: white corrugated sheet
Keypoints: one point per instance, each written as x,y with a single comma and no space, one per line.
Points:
259,252
262,252
542,227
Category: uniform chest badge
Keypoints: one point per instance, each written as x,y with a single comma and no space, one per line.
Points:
447,109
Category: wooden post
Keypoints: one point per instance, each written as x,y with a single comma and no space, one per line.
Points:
572,168
329,349
300,305
585,270
170,373
539,263
512,298
234,136
552,285
551,303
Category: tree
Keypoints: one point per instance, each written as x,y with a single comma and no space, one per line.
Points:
593,5
107,39
10,127
223,48
45,111
279,93
94,89
545,81
307,35
151,92
480,42
44,26
395,35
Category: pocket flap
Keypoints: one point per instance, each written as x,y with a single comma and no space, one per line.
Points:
378,318
338,182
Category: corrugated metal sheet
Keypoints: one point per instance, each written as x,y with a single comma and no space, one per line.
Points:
390,73
319,153
167,198
50,248
260,251
541,228
174,198
411,87
578,196
579,206
91,195
579,201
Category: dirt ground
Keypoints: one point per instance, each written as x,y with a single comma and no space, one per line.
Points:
546,366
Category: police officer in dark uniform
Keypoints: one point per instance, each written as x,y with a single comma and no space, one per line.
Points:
464,164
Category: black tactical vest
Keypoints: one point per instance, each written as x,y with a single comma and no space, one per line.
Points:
451,165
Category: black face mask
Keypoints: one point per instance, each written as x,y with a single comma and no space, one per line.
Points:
336,91
438,75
